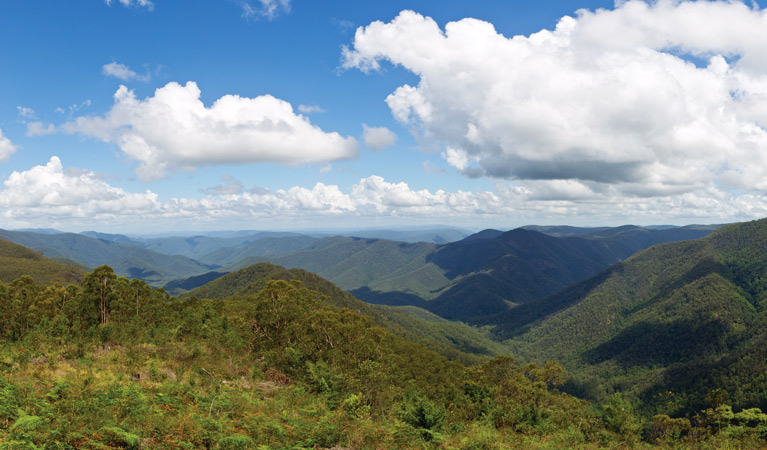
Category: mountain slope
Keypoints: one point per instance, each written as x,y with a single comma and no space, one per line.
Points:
262,247
627,240
696,306
126,259
356,262
16,260
454,340
435,236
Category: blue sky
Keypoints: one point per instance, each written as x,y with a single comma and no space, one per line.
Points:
142,116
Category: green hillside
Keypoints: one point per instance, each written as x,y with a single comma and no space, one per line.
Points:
16,260
490,272
684,318
355,262
373,265
127,259
454,340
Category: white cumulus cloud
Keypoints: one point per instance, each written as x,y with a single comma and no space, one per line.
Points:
174,130
48,191
378,138
6,148
615,99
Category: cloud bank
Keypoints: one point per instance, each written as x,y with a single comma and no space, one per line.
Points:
174,130
71,198
647,100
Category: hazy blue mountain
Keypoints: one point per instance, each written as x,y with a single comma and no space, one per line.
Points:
107,236
436,236
40,230
353,262
565,230
484,234
691,231
268,246
200,246
465,280
180,286
127,259
490,275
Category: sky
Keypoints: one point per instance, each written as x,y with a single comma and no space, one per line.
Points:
148,116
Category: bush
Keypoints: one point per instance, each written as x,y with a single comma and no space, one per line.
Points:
9,403
119,438
422,414
238,442
618,416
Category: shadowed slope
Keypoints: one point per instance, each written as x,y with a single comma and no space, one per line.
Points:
691,304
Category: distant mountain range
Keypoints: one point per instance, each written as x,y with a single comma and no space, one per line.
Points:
479,276
126,258
469,280
172,259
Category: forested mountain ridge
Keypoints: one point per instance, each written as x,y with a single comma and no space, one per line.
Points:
454,340
646,324
127,259
627,240
662,233
515,267
491,271
468,280
265,247
17,260
352,262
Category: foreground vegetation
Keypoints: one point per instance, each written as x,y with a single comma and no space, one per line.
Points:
111,363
